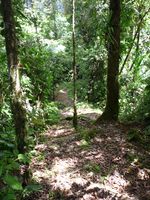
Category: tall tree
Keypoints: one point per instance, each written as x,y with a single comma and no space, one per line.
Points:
54,11
18,110
112,103
74,66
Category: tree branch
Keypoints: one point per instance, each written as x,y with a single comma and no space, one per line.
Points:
135,35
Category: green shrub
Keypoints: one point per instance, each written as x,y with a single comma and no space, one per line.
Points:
51,113
92,167
88,134
134,135
46,114
11,186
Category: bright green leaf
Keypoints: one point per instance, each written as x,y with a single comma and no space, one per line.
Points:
13,182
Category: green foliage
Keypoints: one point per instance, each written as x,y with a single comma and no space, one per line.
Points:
47,113
10,196
134,135
142,138
31,188
135,104
146,137
45,51
143,108
51,113
37,118
5,117
7,136
23,158
11,185
13,182
85,136
92,167
147,131
88,134
84,144
132,157
40,82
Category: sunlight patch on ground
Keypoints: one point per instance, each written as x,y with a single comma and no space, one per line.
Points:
64,174
117,181
88,112
41,147
143,174
104,191
39,175
61,166
59,131
103,170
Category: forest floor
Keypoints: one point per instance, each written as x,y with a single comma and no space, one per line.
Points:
106,165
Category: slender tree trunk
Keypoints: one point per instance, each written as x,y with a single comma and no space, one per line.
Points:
112,103
133,41
54,7
74,67
18,111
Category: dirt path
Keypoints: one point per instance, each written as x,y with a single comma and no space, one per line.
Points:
106,167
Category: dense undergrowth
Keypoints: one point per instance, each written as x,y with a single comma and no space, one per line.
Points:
44,39
11,162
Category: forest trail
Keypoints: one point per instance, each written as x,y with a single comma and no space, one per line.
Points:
105,167
55,50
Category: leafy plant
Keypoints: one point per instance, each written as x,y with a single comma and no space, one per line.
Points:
23,158
84,144
51,113
11,185
134,135
88,134
31,188
12,182
92,167
147,131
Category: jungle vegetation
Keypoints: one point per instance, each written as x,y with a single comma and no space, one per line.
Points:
89,53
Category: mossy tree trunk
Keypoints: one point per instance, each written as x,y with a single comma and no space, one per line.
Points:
112,103
18,110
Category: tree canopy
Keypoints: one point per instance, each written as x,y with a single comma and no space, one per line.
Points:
74,75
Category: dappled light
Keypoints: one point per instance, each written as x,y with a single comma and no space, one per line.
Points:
59,131
74,100
86,112
102,168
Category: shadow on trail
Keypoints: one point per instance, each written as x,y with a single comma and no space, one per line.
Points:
106,167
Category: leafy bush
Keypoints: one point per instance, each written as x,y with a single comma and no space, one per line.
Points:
51,113
47,113
135,97
147,131
92,167
10,186
29,189
134,135
5,118
143,108
88,134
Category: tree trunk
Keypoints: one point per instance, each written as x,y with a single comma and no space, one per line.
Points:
112,103
74,67
18,110
54,8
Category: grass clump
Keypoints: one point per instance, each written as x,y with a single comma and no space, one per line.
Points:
92,167
88,134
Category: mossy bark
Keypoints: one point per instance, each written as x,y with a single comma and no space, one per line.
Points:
17,103
18,110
